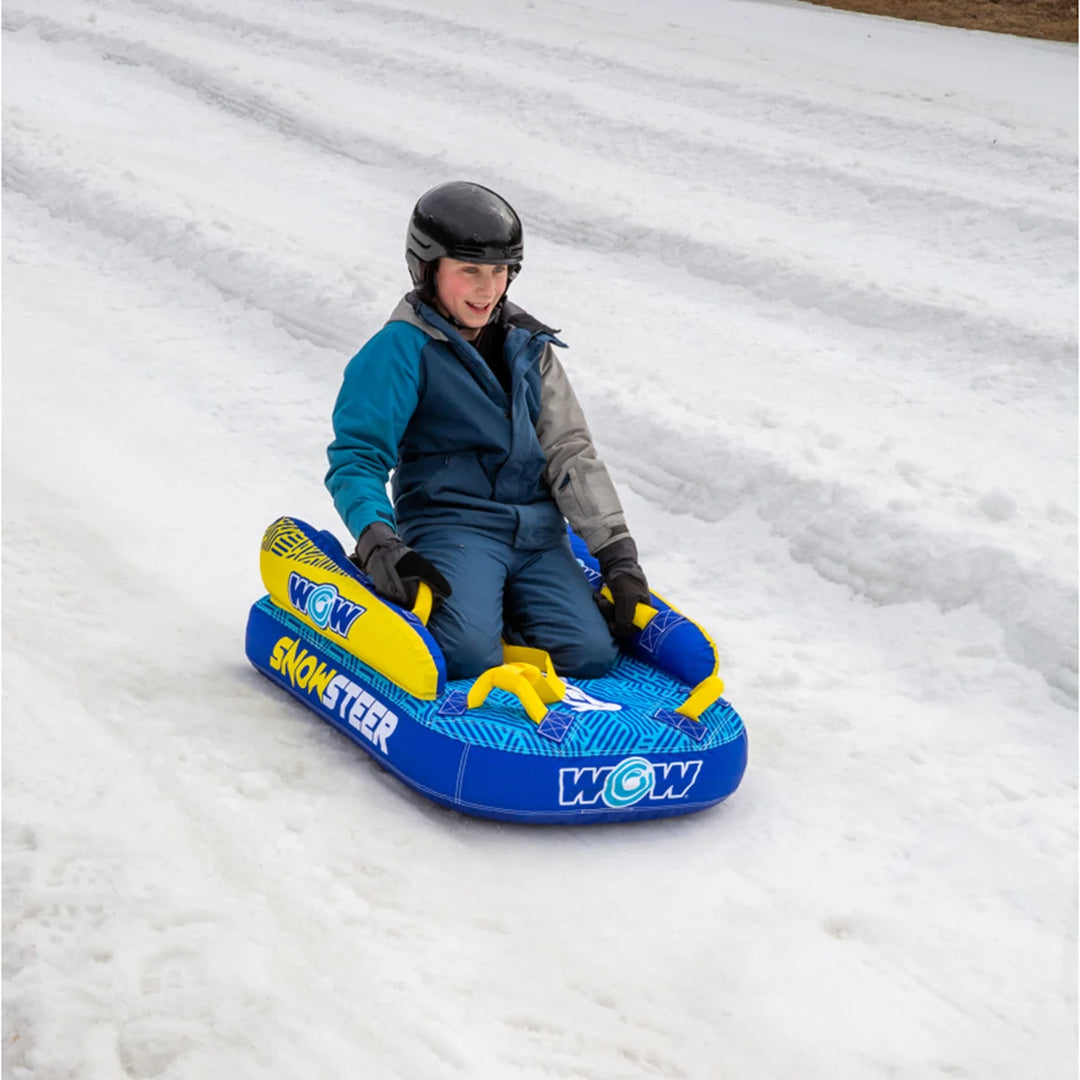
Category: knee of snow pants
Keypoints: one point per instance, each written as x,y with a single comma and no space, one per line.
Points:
537,598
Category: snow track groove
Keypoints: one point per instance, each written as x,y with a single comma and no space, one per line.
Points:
879,125
683,134
840,291
727,157
236,273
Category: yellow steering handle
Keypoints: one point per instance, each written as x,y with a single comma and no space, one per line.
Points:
701,697
643,613
515,679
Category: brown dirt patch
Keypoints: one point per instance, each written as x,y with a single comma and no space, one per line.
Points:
1053,20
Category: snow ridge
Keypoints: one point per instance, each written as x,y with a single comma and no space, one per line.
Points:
883,556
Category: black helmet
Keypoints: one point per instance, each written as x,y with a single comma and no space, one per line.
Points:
463,221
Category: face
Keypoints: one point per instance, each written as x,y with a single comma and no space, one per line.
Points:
469,291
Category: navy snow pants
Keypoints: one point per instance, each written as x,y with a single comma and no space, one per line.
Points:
537,598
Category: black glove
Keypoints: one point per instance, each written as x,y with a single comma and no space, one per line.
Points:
626,580
395,568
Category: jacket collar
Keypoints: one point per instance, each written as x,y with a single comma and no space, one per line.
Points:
417,312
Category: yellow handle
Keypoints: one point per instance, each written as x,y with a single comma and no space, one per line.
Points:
517,680
537,667
643,613
424,600
701,697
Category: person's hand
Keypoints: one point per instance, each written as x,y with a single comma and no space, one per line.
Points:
626,580
396,569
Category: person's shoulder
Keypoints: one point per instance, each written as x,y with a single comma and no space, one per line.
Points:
403,331
398,341
405,320
411,311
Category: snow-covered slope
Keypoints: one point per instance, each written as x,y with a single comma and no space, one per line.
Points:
818,275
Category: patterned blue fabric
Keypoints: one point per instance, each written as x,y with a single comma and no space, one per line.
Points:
601,754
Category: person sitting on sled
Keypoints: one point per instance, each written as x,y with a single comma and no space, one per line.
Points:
461,394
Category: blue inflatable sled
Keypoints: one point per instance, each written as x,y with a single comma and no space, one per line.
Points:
653,738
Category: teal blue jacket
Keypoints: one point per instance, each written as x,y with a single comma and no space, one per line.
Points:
420,402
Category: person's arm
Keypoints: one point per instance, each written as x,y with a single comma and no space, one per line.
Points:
378,396
578,479
586,496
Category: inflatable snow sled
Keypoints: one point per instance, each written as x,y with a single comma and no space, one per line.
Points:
653,738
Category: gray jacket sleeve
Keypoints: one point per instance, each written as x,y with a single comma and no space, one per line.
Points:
577,477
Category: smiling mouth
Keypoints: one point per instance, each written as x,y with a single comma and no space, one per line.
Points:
478,308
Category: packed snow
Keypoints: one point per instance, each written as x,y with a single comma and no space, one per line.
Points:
818,274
